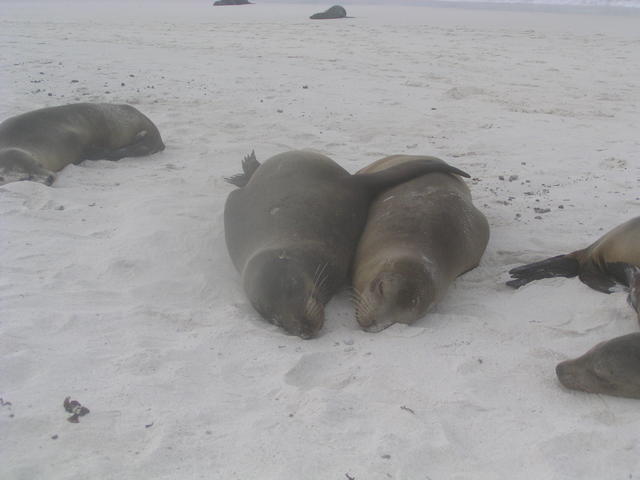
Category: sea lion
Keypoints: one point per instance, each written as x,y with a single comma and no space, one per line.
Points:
419,237
36,144
337,11
292,227
611,367
612,258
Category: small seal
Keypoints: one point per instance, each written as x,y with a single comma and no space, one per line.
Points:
292,228
611,259
611,367
419,237
336,11
36,144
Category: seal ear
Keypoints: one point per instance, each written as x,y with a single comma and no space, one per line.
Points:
249,166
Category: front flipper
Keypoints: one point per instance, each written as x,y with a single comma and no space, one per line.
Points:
559,266
249,166
595,278
403,172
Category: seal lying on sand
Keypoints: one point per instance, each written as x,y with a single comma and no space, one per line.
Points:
36,144
292,228
608,260
611,367
419,237
334,12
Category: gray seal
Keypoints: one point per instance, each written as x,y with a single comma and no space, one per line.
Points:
611,368
36,144
292,228
611,259
337,11
419,237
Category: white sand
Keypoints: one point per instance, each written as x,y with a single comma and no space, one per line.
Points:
116,287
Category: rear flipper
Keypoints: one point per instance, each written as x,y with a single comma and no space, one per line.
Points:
249,166
559,266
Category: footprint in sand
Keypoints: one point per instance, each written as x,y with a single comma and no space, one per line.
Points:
317,370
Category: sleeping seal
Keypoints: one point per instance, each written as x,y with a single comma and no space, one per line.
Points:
419,237
610,259
611,367
292,227
36,144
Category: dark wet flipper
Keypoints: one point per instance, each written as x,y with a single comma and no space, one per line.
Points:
593,277
249,166
397,174
558,266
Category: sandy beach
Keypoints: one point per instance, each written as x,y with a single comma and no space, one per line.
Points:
116,288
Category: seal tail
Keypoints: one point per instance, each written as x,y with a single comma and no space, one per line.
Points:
389,177
249,166
559,266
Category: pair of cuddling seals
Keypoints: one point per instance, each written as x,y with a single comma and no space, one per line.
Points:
36,144
611,367
293,226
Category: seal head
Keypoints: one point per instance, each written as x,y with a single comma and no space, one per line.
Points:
17,164
280,288
401,291
611,368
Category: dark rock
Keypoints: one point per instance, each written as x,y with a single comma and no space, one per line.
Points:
334,12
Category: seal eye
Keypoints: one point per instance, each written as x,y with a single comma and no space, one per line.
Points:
377,287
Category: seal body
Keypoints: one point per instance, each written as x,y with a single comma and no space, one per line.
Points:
608,260
337,11
611,368
36,144
292,227
419,237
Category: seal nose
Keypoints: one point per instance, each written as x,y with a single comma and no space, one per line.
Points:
565,375
49,181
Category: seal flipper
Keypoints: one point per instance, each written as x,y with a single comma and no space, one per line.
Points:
558,266
249,166
593,277
397,174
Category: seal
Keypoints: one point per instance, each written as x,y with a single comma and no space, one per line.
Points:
419,237
337,11
292,228
611,259
36,144
611,367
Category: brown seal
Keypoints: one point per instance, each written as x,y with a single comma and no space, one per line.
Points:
610,259
36,144
419,237
292,229
611,367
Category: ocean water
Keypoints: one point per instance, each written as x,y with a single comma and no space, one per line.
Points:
550,3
